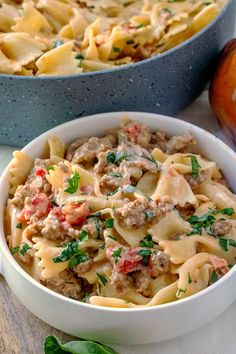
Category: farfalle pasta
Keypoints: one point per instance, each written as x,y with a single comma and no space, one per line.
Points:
57,37
132,218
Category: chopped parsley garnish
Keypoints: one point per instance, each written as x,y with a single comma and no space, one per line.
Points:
102,279
108,223
113,192
95,215
79,56
225,211
102,247
116,49
189,278
116,158
83,235
50,168
19,225
149,215
130,41
223,244
139,26
149,158
115,174
86,297
117,254
195,166
145,252
72,254
57,43
24,249
179,291
112,237
15,249
147,241
97,226
73,184
214,277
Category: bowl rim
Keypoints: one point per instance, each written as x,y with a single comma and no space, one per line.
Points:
118,69
117,114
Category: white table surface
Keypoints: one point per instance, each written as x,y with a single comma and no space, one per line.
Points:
219,336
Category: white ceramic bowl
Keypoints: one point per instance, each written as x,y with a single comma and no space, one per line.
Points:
126,326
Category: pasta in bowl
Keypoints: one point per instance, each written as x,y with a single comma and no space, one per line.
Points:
62,38
130,221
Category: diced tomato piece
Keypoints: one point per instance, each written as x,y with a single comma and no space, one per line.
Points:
76,213
40,172
39,206
133,131
128,265
58,213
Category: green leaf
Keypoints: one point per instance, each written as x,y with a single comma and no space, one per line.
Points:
19,225
130,41
147,241
72,254
116,49
24,249
115,174
111,157
50,168
179,291
227,211
102,279
57,43
223,244
109,223
83,235
15,250
195,166
112,237
149,215
214,277
79,56
145,252
102,247
52,345
117,254
73,184
189,278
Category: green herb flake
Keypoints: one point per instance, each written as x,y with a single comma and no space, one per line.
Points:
95,215
78,258
149,215
102,279
130,41
102,247
109,223
145,252
112,237
83,235
111,157
19,225
115,174
116,49
73,184
180,291
195,166
117,254
50,168
223,244
24,249
15,250
189,278
57,43
147,241
86,297
79,56
227,211
214,277
139,26
112,193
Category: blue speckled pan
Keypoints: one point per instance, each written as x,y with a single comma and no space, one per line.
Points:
165,84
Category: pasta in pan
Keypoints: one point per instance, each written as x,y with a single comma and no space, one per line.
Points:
57,37
133,218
